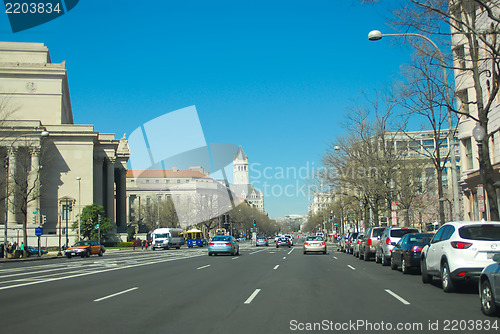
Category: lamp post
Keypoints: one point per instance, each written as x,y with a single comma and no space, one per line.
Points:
41,135
79,179
479,134
59,219
376,35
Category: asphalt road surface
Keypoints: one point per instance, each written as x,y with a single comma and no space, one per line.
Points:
264,290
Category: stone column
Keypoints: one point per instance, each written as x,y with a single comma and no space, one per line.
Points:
11,217
34,186
98,181
110,189
121,197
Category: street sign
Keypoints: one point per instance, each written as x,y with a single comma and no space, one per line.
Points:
351,217
35,212
38,231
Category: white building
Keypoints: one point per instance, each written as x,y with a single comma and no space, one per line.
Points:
40,173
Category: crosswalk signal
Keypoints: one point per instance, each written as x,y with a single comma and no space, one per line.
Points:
254,223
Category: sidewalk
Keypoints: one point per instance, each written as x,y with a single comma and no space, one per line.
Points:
49,255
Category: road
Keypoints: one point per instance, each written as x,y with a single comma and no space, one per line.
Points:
263,290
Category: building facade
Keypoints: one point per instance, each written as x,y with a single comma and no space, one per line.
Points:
53,167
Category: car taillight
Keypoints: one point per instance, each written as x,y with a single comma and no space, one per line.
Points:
228,244
323,243
306,244
350,241
416,249
369,242
211,243
358,242
388,240
460,244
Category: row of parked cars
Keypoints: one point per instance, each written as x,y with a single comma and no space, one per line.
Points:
458,253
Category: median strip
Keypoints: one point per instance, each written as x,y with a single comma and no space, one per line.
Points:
397,297
252,296
115,294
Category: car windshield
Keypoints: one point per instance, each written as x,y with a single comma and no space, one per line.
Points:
480,232
82,243
398,233
161,235
316,238
221,238
261,238
418,238
377,232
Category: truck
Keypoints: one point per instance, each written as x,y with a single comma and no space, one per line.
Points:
167,238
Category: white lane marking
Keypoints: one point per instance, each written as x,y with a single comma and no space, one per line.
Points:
234,258
252,296
276,266
397,297
335,258
284,257
96,272
115,294
208,265
257,251
290,251
351,267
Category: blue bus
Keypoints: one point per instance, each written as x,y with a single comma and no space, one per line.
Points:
194,238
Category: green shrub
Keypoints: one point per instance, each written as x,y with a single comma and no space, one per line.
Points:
124,244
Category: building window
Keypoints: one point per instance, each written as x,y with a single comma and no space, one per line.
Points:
464,101
178,181
460,56
147,181
468,153
157,181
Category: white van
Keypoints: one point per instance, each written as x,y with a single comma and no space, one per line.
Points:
167,238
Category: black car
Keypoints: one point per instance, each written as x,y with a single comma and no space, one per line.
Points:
283,242
406,253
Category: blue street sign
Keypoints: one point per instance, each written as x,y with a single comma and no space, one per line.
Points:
38,231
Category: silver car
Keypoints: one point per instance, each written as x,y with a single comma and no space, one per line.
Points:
355,245
315,244
489,287
388,240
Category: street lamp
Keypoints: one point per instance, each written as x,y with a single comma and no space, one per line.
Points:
41,135
376,35
479,134
79,179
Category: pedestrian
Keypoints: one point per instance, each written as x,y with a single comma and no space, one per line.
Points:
133,244
22,249
146,245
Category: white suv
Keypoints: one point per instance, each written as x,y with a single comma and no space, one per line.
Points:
459,251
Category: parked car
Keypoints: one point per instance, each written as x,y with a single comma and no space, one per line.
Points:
315,244
289,236
34,251
261,241
283,242
489,287
369,243
459,251
355,245
341,242
85,249
349,242
389,238
406,253
223,244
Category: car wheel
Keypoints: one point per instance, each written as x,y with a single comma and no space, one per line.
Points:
209,254
324,252
68,256
100,253
426,278
394,266
365,256
89,252
487,299
360,255
238,252
404,268
305,252
84,255
384,260
446,281
377,259
276,246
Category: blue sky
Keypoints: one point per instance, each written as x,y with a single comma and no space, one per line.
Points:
275,77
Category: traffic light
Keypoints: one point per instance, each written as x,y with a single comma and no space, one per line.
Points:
254,223
44,219
34,219
331,218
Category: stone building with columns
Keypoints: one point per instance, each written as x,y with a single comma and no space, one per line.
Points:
52,167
